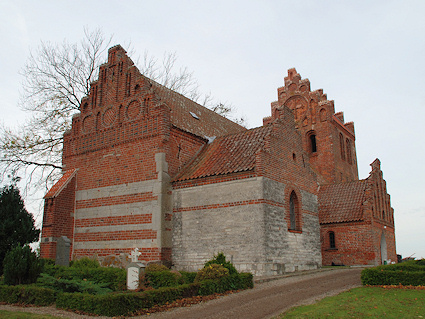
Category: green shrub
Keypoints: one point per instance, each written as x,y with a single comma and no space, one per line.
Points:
115,278
412,265
220,259
84,262
125,304
212,271
21,266
188,277
28,295
420,262
160,279
223,284
383,275
155,268
75,285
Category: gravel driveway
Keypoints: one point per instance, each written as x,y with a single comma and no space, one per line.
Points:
266,300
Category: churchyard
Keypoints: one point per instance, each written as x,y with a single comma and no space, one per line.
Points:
86,287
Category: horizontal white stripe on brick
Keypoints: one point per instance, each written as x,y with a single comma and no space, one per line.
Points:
117,210
116,244
116,190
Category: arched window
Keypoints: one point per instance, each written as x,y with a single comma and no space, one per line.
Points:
341,145
311,139
293,210
348,146
332,240
313,144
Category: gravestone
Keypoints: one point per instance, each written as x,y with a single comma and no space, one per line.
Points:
63,245
133,270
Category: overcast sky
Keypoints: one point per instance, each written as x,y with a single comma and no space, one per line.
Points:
368,56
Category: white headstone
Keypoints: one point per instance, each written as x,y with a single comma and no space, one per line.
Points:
133,270
135,255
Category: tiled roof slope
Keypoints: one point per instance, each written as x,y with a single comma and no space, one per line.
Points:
227,154
60,184
193,117
343,202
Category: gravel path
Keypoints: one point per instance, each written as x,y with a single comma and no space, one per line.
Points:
266,300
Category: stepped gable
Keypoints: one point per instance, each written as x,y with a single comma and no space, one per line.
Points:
227,154
122,85
339,203
60,184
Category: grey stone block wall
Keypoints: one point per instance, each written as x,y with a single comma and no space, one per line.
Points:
290,251
254,236
234,227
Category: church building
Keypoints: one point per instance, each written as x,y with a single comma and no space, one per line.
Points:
145,167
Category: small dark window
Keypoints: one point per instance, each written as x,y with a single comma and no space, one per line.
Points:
292,208
348,146
313,143
341,145
332,239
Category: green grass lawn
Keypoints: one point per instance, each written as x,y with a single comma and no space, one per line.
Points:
366,302
20,315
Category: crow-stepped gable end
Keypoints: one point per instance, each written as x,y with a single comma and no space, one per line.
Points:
147,168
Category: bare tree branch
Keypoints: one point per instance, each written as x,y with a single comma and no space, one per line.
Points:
56,78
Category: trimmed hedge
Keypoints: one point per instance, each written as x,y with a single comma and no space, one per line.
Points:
114,277
124,304
160,279
398,274
75,285
223,284
27,295
188,277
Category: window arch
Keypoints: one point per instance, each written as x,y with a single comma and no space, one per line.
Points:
293,211
332,244
312,141
341,145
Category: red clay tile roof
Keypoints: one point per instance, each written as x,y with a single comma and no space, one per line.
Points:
343,202
193,117
227,154
61,184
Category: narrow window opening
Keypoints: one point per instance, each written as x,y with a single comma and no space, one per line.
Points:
348,145
341,145
292,210
313,143
332,240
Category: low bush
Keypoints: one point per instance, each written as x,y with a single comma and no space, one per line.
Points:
412,265
394,275
27,295
124,304
226,283
84,262
115,278
420,262
75,285
159,279
155,268
212,271
220,259
188,277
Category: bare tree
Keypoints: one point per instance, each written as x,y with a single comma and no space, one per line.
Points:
56,78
